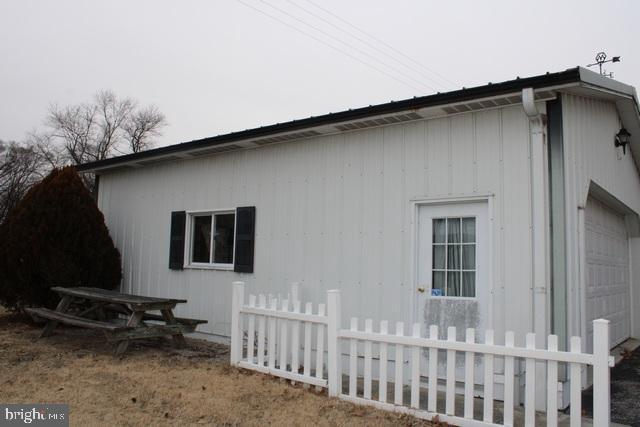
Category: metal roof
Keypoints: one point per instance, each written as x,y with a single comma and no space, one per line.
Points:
303,128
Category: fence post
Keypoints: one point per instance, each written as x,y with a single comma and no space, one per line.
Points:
334,377
601,392
236,334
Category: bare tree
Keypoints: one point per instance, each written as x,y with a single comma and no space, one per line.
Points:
95,131
141,126
113,114
20,167
74,129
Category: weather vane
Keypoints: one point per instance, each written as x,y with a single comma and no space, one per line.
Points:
601,58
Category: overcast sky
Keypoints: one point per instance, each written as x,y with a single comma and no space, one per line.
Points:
219,66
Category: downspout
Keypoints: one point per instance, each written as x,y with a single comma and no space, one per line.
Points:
540,227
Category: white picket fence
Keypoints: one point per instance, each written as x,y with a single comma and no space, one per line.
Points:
274,326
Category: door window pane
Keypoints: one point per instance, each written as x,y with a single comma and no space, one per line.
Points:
468,284
201,250
453,230
468,230
439,230
454,256
223,238
438,281
439,257
468,257
453,283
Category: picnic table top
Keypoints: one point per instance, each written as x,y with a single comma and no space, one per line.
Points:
106,295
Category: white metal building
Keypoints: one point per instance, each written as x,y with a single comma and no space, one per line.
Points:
502,206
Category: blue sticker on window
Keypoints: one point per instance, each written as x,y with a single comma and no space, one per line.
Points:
436,292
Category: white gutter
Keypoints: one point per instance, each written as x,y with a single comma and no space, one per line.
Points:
540,234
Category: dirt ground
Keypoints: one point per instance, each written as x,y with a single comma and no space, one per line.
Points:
155,384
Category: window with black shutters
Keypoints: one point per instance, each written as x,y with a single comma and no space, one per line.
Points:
219,240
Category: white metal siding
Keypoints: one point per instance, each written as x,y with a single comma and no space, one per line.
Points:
334,212
589,128
607,278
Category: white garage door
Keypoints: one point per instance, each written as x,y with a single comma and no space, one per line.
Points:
607,253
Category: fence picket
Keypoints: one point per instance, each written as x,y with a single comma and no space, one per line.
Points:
251,331
320,344
575,375
261,326
307,343
415,369
382,380
451,374
399,366
368,327
284,335
271,348
488,380
530,384
295,340
552,384
469,365
353,360
509,341
278,354
432,399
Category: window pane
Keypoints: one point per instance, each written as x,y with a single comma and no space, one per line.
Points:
223,238
453,257
439,230
468,284
468,230
453,284
201,250
438,257
469,257
453,230
438,280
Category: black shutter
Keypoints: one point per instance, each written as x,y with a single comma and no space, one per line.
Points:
245,237
176,245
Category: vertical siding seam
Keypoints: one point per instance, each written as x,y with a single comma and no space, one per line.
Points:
342,208
425,142
361,280
501,262
403,224
475,152
450,157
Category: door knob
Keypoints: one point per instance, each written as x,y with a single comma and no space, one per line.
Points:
421,290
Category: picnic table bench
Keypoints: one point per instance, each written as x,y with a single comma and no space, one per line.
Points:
95,304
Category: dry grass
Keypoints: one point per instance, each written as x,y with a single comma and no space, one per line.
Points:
157,385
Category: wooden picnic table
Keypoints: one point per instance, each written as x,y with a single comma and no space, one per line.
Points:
95,305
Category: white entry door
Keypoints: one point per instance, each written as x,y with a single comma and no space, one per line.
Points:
453,267
607,274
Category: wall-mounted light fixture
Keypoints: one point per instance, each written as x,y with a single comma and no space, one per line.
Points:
622,139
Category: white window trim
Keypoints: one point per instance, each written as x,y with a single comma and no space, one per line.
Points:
188,238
